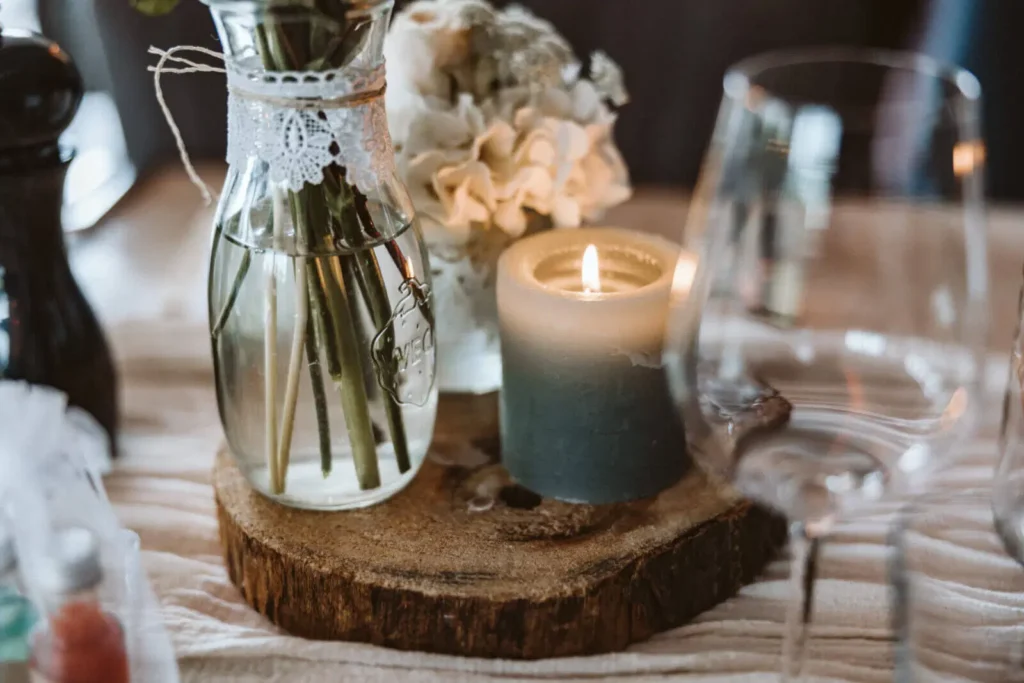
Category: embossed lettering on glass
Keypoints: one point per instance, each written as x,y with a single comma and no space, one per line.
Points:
320,299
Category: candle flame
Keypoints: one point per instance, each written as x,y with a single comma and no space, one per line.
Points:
590,275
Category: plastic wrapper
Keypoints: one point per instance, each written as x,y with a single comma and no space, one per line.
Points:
51,460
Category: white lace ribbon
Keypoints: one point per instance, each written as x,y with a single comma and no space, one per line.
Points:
296,122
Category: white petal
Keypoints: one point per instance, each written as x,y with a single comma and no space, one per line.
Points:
542,203
510,218
555,102
470,114
537,148
437,130
586,102
573,142
535,182
495,145
500,141
565,212
510,100
602,186
526,118
611,155
421,169
475,177
466,209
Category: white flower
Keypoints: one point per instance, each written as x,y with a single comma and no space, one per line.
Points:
441,48
607,78
528,49
570,135
422,43
448,163
491,121
426,41
470,166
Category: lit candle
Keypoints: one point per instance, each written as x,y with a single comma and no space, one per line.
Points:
585,409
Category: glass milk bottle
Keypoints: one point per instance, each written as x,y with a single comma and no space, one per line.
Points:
319,293
78,640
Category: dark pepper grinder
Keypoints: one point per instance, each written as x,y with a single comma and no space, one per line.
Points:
48,333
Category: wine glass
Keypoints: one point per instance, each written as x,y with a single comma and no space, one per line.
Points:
1008,485
829,350
958,598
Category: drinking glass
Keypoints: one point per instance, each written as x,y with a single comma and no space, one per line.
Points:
959,596
1008,485
829,349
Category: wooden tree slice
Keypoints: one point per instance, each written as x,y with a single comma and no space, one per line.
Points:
441,568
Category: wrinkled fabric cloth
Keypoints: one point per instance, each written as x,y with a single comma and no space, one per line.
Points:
161,488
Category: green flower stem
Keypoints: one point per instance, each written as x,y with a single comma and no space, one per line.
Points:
236,287
352,286
403,264
350,208
321,319
331,303
354,401
316,378
216,326
319,305
371,282
218,235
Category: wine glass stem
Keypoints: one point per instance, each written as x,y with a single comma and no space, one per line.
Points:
803,572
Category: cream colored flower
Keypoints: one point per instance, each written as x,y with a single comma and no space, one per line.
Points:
467,166
528,49
428,42
423,42
491,121
449,164
441,48
568,134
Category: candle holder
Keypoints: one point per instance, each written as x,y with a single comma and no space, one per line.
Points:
586,414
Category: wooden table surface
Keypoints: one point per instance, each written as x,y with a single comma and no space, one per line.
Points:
144,271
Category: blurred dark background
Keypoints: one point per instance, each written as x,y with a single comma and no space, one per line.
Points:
674,53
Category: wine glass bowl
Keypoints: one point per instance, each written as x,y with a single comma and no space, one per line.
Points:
1008,486
830,350
858,416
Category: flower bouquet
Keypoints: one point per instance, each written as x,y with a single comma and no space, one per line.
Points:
499,130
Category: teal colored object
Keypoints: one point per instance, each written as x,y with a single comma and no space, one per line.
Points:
17,617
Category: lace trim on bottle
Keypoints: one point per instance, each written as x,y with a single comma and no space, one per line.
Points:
299,123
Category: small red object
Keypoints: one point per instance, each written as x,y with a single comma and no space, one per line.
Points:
82,644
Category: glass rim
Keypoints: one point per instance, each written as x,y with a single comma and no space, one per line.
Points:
740,78
352,7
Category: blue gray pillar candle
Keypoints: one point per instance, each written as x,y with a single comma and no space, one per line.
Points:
586,414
